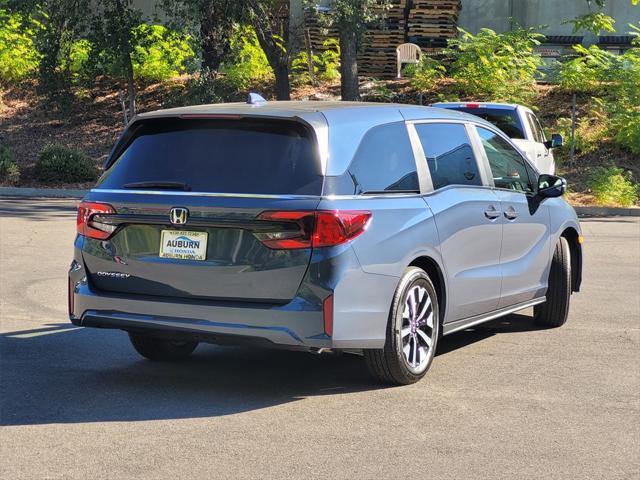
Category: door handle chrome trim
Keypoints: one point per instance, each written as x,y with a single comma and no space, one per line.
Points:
491,212
511,213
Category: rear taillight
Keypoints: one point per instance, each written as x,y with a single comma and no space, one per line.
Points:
312,229
472,105
88,221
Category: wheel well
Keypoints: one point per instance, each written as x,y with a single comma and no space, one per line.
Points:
430,266
576,257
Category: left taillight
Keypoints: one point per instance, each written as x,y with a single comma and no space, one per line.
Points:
88,223
312,229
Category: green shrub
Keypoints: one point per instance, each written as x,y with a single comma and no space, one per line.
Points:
425,74
250,64
326,64
611,186
500,67
160,53
9,171
593,22
57,163
586,72
18,55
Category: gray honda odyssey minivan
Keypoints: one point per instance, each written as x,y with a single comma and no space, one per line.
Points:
372,228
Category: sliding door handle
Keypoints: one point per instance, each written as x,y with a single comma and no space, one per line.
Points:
491,212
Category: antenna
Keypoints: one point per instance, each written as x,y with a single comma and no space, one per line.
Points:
255,99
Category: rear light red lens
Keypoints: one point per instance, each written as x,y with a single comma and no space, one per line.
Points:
70,293
327,313
313,229
472,105
88,225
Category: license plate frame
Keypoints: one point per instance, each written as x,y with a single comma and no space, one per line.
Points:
183,245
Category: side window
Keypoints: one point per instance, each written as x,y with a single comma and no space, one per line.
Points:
384,162
449,154
508,168
538,136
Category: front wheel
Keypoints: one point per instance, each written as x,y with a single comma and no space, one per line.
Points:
554,312
412,332
160,349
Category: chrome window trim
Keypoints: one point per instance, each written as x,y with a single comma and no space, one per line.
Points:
200,194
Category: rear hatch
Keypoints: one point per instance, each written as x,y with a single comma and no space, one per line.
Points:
186,194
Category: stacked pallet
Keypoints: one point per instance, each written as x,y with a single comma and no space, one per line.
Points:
432,22
427,23
378,55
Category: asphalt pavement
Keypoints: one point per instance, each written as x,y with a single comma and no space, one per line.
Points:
504,400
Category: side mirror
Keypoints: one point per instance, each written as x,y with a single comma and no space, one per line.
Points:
555,142
550,186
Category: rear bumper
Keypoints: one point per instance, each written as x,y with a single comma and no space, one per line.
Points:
361,309
289,324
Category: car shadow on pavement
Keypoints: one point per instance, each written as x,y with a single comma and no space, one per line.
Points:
71,375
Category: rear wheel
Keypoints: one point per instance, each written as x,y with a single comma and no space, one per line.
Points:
554,312
161,349
412,332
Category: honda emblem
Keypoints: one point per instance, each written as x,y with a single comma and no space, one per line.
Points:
178,215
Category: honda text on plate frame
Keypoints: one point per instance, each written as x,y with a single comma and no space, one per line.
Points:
319,226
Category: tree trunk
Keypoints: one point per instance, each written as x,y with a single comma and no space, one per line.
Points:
283,89
131,86
215,33
349,88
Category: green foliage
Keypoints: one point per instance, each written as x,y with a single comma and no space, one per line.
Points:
250,65
9,171
426,74
326,64
587,71
612,186
59,164
593,22
500,67
159,53
19,57
380,92
203,88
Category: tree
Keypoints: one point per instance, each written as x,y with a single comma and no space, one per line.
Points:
352,18
270,19
213,22
112,33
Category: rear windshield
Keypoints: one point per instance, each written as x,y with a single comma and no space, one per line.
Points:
505,120
221,156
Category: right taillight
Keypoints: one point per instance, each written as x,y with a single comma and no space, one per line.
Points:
88,223
312,229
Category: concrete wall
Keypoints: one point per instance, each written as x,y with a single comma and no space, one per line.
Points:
495,14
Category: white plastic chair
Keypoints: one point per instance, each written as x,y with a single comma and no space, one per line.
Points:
407,53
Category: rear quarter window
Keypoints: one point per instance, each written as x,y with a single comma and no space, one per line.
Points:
251,156
383,163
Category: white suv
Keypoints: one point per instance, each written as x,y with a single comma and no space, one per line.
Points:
519,123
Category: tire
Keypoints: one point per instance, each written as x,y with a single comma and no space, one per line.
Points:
160,349
407,354
554,312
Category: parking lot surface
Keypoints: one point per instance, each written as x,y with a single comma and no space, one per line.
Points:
504,400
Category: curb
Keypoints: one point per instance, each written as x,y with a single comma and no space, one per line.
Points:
607,212
42,192
79,193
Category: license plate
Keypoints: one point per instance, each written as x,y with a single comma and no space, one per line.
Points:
183,245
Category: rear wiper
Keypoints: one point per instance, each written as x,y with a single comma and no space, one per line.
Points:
161,185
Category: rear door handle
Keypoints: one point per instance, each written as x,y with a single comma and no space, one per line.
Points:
491,212
511,213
